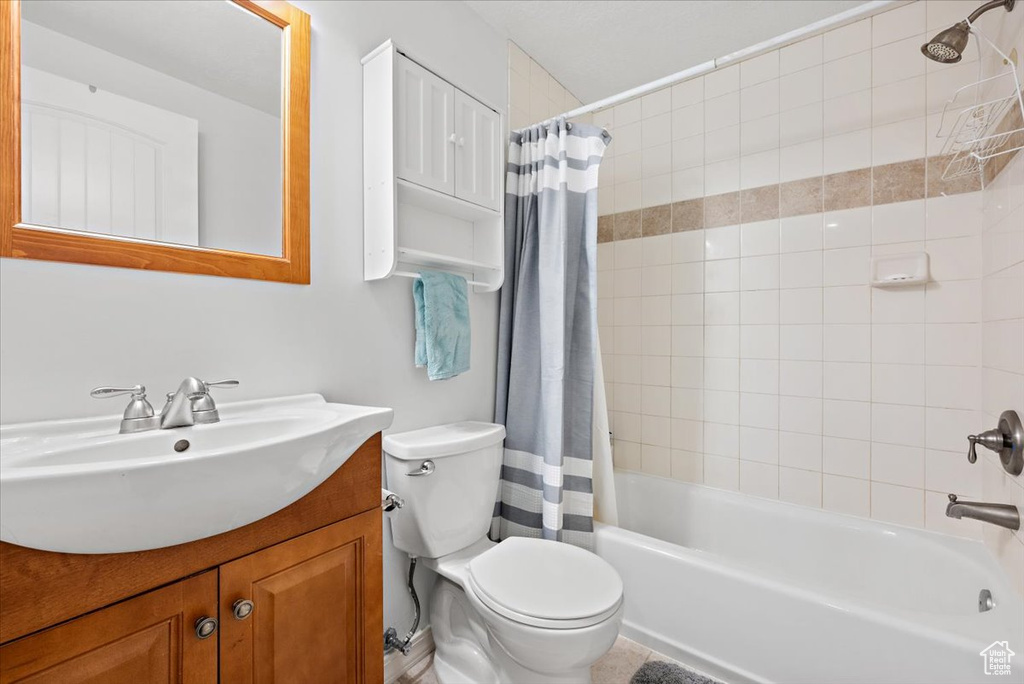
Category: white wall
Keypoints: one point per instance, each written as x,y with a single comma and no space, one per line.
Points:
67,328
239,145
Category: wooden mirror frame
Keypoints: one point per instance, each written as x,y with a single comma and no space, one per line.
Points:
55,244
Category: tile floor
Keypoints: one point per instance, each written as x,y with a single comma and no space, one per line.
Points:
619,664
420,673
616,667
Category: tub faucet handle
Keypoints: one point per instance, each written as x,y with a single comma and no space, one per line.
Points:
991,439
972,450
1006,439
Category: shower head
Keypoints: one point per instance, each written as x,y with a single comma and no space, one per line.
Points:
948,46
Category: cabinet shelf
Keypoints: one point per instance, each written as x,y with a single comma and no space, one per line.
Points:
442,262
432,200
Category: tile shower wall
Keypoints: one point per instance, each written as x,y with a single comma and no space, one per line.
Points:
533,93
743,346
1003,315
1003,346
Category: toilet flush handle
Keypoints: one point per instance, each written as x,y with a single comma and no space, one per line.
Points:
426,469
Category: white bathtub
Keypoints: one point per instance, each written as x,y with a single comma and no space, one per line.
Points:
751,590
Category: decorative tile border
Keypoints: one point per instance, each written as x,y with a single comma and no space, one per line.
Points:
899,182
722,210
801,197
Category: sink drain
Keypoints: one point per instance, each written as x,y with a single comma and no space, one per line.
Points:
181,445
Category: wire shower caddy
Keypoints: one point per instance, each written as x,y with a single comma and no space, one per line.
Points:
981,131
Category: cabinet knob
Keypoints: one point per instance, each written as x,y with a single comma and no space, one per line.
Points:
462,142
242,608
205,627
451,138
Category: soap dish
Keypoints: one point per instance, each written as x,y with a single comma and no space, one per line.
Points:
899,270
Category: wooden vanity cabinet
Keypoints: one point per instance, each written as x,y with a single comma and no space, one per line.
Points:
149,638
316,601
310,620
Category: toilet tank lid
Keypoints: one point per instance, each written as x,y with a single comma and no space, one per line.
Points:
443,440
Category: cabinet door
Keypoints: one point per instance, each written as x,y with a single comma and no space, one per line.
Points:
425,138
317,614
477,152
149,639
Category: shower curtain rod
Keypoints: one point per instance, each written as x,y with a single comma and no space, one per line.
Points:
835,21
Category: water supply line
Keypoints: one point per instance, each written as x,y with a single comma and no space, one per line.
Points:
391,640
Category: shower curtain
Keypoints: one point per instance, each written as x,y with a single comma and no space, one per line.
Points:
548,333
606,508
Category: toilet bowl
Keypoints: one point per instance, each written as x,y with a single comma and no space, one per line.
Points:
528,611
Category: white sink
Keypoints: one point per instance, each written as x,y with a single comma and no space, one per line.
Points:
78,486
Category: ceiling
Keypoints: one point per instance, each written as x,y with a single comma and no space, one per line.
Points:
597,49
216,46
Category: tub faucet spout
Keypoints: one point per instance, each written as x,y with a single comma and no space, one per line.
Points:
1003,515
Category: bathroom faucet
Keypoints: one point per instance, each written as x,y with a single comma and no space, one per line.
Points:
192,403
1003,515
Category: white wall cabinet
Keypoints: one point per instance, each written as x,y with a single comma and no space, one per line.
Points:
477,153
426,134
433,175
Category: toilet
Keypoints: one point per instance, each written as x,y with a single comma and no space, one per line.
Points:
523,611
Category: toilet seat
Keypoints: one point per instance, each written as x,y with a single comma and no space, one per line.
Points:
543,583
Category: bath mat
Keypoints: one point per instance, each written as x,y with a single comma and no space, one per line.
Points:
658,672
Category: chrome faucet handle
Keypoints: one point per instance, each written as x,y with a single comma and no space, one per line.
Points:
223,384
139,415
108,392
204,410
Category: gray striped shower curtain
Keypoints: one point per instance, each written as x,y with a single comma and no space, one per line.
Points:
548,333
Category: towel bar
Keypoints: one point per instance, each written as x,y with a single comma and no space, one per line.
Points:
410,274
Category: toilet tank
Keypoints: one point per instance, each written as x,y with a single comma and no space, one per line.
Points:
451,507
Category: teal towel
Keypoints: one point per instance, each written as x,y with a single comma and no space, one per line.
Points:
442,324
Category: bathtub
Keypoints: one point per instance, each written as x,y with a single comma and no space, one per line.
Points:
752,590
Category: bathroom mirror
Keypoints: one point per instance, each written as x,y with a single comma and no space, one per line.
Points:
159,134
